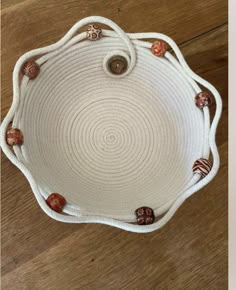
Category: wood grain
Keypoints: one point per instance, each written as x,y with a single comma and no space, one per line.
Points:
39,23
190,252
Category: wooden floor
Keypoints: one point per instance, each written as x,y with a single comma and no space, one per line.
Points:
190,252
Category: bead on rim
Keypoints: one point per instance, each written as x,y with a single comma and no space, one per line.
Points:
202,166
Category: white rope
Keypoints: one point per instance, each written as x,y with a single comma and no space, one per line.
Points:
150,141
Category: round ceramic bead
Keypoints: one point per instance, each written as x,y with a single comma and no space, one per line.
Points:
94,32
31,69
203,99
159,48
144,215
202,166
56,202
14,137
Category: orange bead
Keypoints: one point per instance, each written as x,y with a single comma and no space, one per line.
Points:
159,48
31,69
56,202
14,137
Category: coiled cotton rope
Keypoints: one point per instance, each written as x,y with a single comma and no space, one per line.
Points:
111,144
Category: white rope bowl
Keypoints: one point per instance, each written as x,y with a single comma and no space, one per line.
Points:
111,143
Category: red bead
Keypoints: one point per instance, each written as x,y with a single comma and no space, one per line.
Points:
203,99
14,137
141,220
94,32
31,69
159,48
56,202
202,166
145,215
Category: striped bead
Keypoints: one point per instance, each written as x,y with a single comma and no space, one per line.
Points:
14,137
159,48
202,166
56,202
203,99
144,215
94,32
31,69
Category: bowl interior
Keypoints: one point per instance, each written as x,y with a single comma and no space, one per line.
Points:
111,145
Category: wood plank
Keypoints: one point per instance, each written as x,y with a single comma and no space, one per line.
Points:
35,24
190,252
10,3
209,58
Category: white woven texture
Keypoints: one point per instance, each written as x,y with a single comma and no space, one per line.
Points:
110,144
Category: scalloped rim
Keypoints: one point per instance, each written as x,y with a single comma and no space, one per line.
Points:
181,63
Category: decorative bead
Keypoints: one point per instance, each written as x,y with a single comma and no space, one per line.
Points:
145,215
31,69
94,32
202,166
203,99
117,65
14,137
56,202
159,48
